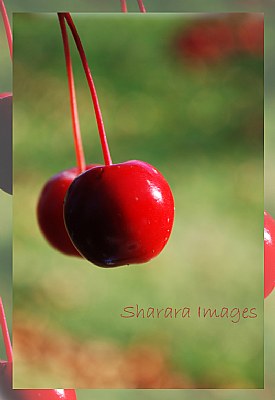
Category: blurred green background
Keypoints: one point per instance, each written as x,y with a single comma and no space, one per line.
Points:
152,5
202,128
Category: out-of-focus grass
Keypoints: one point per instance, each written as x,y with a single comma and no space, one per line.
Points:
266,394
202,129
152,6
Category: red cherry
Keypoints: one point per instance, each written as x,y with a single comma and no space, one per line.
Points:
50,203
116,214
50,210
269,254
119,214
49,394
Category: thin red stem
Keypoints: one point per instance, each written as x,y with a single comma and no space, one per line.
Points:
141,6
123,6
73,104
7,25
100,124
5,332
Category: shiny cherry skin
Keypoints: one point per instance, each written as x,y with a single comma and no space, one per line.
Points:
119,214
45,394
8,393
50,211
269,254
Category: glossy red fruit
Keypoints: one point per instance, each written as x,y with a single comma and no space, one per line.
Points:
8,393
119,214
48,394
50,211
269,254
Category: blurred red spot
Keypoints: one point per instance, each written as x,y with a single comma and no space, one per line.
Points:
251,35
210,40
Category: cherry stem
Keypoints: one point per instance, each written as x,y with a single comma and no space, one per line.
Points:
123,6
99,119
80,158
5,332
141,6
7,25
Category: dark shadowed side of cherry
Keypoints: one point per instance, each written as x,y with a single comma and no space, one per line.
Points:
6,144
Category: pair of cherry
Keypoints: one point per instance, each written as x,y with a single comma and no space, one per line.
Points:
112,214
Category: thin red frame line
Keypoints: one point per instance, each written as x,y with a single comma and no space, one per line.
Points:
5,332
99,119
7,25
80,158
